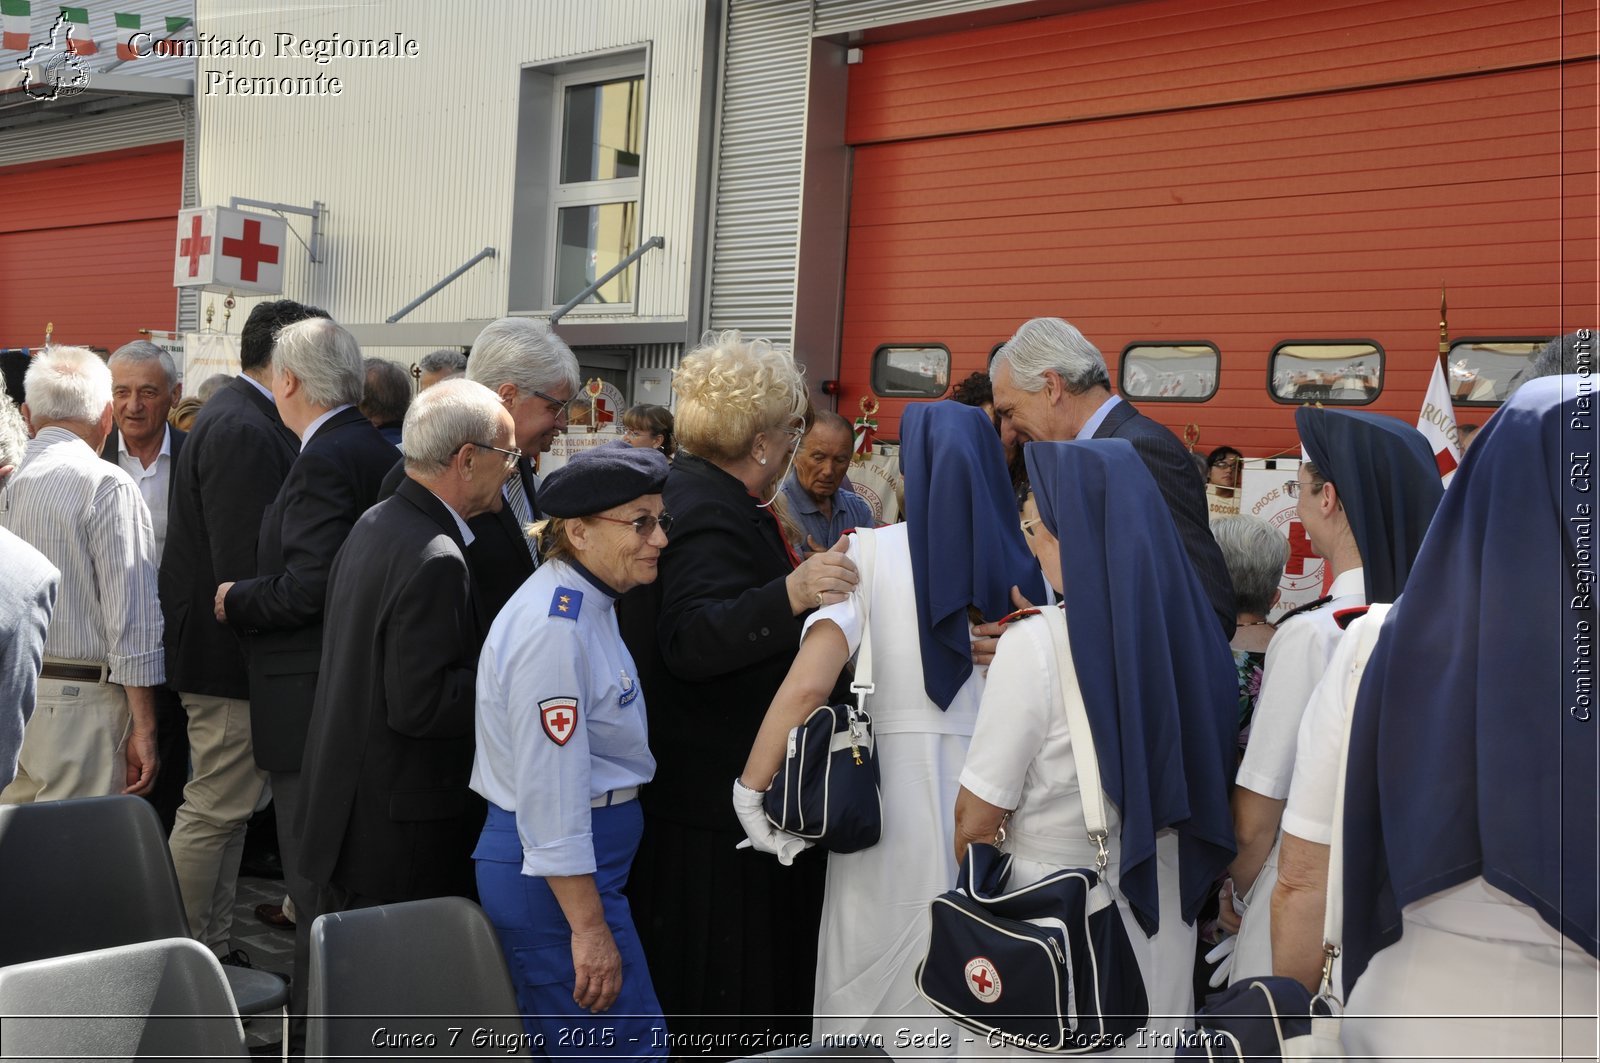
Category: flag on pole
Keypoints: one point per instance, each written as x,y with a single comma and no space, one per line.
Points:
79,41
127,28
1437,424
17,14
175,25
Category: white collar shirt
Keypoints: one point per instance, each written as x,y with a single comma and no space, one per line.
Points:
153,481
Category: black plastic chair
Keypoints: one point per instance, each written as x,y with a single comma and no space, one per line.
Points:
395,980
94,873
154,998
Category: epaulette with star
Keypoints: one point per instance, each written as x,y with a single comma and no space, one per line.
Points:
566,602
1311,606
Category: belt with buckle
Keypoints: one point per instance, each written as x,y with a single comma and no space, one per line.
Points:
615,797
83,673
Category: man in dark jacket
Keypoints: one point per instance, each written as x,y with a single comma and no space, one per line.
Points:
387,814
144,385
317,378
535,376
1050,383
230,468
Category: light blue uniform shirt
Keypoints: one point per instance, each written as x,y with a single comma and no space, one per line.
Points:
560,717
1096,419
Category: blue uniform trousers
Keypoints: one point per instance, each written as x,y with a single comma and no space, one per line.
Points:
538,942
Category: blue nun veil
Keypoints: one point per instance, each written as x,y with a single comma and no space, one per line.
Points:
1473,744
1157,676
1388,483
965,535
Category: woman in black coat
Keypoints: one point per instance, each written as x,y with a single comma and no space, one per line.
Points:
727,933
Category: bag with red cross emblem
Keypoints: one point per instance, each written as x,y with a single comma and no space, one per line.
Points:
1046,966
827,790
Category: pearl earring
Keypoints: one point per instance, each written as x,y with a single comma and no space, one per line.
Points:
762,460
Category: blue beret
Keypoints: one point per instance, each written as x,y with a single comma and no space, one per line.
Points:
597,479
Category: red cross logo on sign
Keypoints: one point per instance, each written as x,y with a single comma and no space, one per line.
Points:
194,246
983,979
250,251
1300,550
559,717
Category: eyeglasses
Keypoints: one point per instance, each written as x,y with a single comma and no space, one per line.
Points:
1028,525
645,526
559,407
636,433
513,455
1224,461
1292,488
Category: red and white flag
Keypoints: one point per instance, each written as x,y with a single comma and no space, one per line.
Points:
1437,423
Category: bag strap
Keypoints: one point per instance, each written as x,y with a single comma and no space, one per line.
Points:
1333,908
1083,752
866,557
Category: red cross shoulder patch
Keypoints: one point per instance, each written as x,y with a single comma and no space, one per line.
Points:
560,718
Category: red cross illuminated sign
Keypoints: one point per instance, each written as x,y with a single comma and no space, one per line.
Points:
250,251
194,246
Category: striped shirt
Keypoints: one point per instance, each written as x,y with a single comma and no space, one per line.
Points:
88,518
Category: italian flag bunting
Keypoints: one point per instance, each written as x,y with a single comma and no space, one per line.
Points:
80,41
127,26
17,16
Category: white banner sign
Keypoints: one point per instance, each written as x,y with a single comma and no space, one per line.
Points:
571,442
207,353
1261,494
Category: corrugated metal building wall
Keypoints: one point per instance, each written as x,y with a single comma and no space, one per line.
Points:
415,160
761,144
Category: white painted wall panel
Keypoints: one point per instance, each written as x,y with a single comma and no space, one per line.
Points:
415,159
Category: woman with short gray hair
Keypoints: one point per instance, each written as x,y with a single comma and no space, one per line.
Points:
1255,553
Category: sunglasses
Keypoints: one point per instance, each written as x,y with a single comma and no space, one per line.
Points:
645,526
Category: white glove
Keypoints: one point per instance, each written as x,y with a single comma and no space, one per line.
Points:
1222,956
760,834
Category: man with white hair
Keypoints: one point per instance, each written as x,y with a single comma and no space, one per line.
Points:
1051,383
388,815
94,730
144,385
535,376
28,587
317,377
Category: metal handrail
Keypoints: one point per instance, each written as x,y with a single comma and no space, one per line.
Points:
487,252
653,242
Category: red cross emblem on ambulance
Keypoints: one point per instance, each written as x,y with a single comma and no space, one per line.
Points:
560,718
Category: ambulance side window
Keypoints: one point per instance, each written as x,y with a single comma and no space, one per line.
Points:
911,371
1332,372
1183,371
1484,371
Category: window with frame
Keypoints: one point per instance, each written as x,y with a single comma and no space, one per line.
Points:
595,190
911,371
1332,372
1484,371
1185,371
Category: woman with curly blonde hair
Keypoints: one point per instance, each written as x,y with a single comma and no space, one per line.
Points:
727,933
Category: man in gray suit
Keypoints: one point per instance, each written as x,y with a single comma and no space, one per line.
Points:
28,584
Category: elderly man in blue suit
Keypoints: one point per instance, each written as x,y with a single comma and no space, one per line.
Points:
1051,383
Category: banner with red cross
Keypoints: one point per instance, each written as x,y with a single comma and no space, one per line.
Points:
230,250
1261,494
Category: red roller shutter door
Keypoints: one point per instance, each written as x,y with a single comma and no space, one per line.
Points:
86,242
1172,171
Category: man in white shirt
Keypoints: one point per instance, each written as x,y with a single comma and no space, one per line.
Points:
144,386
93,732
